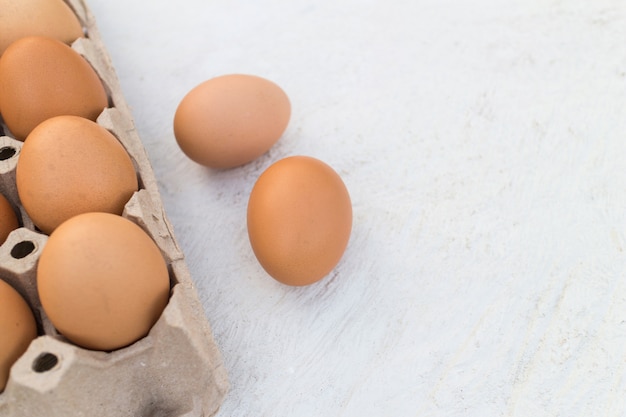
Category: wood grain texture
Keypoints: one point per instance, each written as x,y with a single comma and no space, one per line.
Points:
483,146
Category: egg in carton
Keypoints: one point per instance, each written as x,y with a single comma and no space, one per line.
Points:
176,370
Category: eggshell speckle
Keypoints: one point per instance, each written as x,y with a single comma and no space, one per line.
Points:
17,329
299,220
70,165
231,120
8,219
102,281
51,18
41,78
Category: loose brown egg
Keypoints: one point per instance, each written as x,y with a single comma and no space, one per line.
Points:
8,219
51,18
102,281
70,165
230,120
41,78
17,327
299,220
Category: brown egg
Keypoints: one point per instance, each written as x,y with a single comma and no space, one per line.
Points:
70,165
299,220
231,120
17,327
8,219
51,18
102,281
41,78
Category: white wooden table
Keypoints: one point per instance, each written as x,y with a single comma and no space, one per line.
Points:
484,146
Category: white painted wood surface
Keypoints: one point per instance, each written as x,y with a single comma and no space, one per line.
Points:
483,143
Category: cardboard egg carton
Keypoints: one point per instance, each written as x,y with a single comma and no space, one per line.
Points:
176,370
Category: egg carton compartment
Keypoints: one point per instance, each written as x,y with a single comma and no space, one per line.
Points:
9,153
174,371
177,369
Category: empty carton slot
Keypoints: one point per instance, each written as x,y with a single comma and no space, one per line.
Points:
45,362
7,152
22,249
